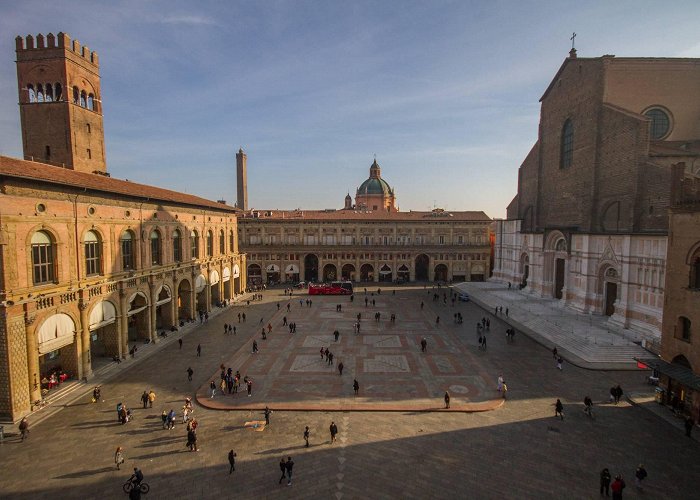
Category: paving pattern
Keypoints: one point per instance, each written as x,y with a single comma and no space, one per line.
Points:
516,451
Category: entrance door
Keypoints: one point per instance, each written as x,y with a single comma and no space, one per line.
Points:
610,297
526,275
559,278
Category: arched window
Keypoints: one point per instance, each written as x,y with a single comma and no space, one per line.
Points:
194,244
91,102
695,272
177,246
49,93
83,99
93,254
210,243
43,269
39,93
76,95
156,258
126,243
567,144
231,241
222,242
660,123
31,92
57,92
683,328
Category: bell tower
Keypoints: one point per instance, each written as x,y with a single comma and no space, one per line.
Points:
242,179
60,103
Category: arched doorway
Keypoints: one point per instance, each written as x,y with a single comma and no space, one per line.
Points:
611,279
57,349
422,267
311,268
164,309
138,317
291,273
403,274
441,272
254,275
273,274
366,272
524,269
103,330
558,252
214,295
200,290
348,272
184,300
330,272
237,288
226,279
385,274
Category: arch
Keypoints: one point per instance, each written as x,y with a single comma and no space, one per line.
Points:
226,275
608,286
524,269
163,295
254,273
236,271
31,92
385,274
348,272
184,299
43,257
102,314
567,144
39,93
138,299
440,272
213,277
422,267
56,331
58,92
366,272
403,274
330,272
681,360
311,268
273,274
138,317
200,283
48,95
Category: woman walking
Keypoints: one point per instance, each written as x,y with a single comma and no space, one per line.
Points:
119,457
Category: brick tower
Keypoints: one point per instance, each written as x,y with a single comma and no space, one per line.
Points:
242,180
59,102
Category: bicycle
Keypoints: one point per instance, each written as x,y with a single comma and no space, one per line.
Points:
588,410
143,487
40,403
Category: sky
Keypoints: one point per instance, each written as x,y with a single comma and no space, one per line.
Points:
444,93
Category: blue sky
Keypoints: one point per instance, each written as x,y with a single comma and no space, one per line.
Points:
444,93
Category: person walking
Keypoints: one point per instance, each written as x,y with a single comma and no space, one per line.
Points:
423,344
306,436
618,393
554,352
267,414
500,383
334,431
639,475
144,399
118,457
151,398
249,386
447,400
190,371
356,386
558,409
505,390
289,466
340,368
617,486
212,387
199,350
24,429
231,461
283,469
560,361
179,341
255,347
605,482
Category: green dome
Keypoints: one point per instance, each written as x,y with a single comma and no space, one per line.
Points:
374,186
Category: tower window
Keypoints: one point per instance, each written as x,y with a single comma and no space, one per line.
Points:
567,144
39,93
83,99
89,154
684,328
49,93
31,92
48,152
91,102
76,95
58,94
89,130
695,272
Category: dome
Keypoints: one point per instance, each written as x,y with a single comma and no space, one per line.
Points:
374,186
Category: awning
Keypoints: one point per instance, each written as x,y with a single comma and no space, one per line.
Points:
57,331
292,269
272,268
200,283
213,277
236,271
674,371
104,313
226,275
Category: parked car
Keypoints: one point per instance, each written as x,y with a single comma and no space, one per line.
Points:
464,297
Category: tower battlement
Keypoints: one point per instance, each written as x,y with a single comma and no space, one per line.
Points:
26,45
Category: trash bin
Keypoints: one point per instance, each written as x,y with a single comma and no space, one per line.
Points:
659,395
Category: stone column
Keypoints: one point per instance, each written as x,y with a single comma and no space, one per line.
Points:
32,359
84,351
193,294
123,323
174,311
152,299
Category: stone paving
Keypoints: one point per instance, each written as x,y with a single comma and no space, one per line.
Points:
516,451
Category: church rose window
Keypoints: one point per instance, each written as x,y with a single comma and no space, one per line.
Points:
660,123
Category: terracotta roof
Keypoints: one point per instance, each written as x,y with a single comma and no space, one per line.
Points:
359,215
31,170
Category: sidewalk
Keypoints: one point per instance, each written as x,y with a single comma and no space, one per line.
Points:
72,390
648,402
582,340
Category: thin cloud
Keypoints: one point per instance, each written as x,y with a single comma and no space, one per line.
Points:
188,19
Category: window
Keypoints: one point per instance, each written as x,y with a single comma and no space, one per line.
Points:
177,246
58,92
695,272
32,94
441,240
42,258
39,93
91,102
83,99
210,243
89,154
222,242
460,240
194,245
567,144
93,254
660,123
126,243
684,328
47,152
89,130
76,95
231,241
156,258
49,93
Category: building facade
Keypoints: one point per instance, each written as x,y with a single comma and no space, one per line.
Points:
589,223
370,241
91,265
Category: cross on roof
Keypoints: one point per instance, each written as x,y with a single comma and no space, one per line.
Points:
573,40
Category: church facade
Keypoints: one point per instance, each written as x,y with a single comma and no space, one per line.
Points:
92,266
370,241
589,223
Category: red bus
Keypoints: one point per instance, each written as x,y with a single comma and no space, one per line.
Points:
333,288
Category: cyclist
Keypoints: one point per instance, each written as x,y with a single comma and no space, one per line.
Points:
136,478
588,406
